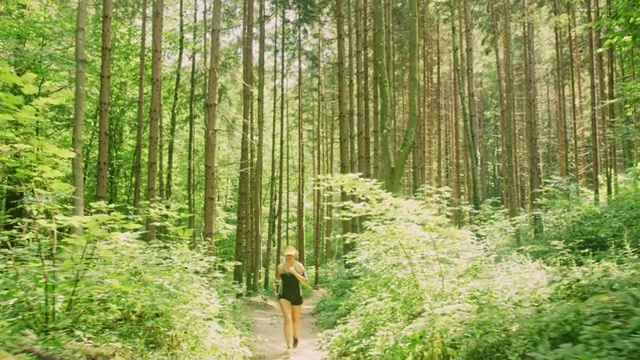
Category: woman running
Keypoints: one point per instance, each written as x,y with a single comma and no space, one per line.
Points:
289,276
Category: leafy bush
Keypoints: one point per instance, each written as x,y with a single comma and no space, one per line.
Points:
106,292
418,286
108,288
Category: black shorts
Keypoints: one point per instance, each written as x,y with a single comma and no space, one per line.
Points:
294,300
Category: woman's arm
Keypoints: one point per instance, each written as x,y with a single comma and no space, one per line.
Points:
301,274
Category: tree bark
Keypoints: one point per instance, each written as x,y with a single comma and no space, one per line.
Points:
211,131
174,105
156,110
595,157
271,227
301,170
192,120
105,77
257,203
243,183
343,111
137,165
78,113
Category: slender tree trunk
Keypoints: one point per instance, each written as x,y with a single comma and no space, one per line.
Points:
78,113
353,155
604,131
364,21
414,99
482,142
360,86
383,92
281,163
192,121
330,126
613,161
560,98
439,131
574,109
343,113
595,158
137,165
105,76
531,115
243,192
156,109
211,131
455,181
272,194
469,117
257,204
318,194
636,126
174,105
582,160
301,170
512,189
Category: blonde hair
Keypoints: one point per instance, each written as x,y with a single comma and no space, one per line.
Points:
291,248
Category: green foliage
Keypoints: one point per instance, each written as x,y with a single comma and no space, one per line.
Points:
418,289
106,292
415,283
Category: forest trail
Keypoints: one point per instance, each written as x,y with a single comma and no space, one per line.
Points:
266,317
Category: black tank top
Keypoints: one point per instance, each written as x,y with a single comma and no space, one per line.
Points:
290,284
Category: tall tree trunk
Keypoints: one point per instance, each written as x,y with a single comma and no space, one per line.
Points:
174,105
257,204
512,189
318,194
78,113
192,121
105,76
383,92
439,129
343,113
469,117
636,125
301,171
595,157
364,24
156,109
353,155
455,163
243,183
330,126
574,109
414,99
137,165
271,227
578,76
604,131
281,163
560,98
360,86
210,146
505,110
613,161
531,115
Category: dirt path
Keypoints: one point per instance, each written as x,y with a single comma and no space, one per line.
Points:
269,334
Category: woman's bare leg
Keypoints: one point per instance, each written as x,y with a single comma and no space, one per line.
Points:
295,312
286,308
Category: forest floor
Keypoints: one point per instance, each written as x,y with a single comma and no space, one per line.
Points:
269,341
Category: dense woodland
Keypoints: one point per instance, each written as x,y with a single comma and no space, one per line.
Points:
460,177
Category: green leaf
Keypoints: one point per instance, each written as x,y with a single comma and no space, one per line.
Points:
29,89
